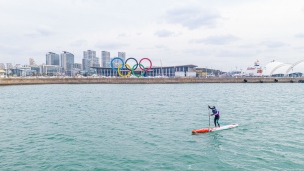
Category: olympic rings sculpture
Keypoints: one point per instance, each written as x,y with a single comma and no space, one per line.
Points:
131,70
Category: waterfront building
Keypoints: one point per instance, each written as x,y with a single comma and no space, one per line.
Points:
36,70
20,71
33,63
90,60
280,69
2,66
86,64
207,72
105,59
9,66
67,61
51,70
96,62
89,54
2,73
52,59
122,55
157,71
77,66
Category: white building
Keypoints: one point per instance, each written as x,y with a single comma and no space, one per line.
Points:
105,59
51,69
122,55
67,61
51,59
2,73
280,69
33,63
90,60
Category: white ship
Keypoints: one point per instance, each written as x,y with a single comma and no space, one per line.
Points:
255,71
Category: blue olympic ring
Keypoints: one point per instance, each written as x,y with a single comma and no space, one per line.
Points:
111,63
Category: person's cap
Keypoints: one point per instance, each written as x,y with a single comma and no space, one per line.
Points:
213,106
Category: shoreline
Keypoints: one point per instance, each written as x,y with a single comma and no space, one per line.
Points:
29,81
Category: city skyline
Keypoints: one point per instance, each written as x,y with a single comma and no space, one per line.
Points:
216,34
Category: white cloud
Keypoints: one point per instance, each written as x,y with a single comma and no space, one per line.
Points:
237,53
300,35
164,33
216,40
122,35
110,45
41,30
162,47
79,43
192,16
273,44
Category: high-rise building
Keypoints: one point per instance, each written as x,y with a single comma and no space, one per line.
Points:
122,55
9,66
89,54
96,62
86,64
33,63
67,61
90,60
105,59
52,59
2,66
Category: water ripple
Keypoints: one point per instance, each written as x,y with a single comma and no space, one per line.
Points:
148,127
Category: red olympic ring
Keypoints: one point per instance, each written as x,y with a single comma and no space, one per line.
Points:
144,68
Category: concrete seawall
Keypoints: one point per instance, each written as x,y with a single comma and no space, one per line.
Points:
25,81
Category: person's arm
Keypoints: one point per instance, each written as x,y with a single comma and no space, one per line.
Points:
210,107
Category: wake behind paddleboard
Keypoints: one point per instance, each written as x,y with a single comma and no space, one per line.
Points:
205,130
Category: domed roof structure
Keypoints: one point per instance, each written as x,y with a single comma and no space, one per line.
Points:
280,70
283,69
296,68
268,69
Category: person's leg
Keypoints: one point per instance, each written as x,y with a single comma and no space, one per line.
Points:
216,118
218,123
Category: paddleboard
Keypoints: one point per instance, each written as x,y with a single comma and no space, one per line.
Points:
205,130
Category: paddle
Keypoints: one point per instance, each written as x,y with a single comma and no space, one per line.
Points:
209,119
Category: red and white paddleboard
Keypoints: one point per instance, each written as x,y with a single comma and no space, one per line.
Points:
205,130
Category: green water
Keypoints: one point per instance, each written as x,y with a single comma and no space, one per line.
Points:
148,127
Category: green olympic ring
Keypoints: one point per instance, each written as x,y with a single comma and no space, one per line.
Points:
142,74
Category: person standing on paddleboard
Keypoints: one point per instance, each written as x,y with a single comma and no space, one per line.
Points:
216,114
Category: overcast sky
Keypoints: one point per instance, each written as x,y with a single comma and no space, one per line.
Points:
218,34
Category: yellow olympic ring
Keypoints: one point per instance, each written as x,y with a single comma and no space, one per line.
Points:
128,67
120,74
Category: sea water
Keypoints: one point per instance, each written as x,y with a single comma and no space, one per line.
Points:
148,127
